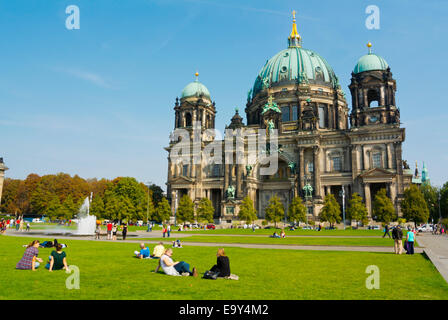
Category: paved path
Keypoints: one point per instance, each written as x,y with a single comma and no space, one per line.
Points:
436,248
238,245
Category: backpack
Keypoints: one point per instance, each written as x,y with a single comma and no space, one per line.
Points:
210,275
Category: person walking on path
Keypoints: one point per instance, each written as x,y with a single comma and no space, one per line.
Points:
386,231
168,230
124,231
410,238
397,235
97,232
28,227
164,230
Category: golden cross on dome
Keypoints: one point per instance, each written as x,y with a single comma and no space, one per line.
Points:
294,14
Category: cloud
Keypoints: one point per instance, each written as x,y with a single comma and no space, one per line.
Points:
88,76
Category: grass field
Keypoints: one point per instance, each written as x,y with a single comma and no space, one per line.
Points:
326,241
109,271
299,232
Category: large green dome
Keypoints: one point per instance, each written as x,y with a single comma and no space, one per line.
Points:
297,65
370,62
195,89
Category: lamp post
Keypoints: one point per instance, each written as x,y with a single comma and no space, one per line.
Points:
175,207
440,214
342,194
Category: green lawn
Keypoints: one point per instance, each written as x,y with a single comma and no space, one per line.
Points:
109,271
316,241
373,233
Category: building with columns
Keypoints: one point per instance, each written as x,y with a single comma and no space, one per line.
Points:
322,142
3,168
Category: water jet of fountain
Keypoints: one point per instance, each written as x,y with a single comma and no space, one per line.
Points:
86,222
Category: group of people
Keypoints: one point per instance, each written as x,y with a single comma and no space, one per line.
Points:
166,230
112,231
281,235
13,223
56,261
181,268
397,235
438,229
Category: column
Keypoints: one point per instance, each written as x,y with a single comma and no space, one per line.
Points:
389,156
327,190
365,158
316,159
301,169
367,199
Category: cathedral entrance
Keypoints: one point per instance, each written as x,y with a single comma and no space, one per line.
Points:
266,195
375,188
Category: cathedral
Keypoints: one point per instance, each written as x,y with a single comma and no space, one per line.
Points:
323,145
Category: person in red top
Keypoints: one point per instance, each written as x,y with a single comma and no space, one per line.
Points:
109,231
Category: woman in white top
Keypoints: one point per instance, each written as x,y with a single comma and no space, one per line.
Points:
172,268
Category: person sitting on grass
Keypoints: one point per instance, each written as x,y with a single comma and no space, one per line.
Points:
58,260
177,244
172,268
282,234
222,266
143,253
30,261
275,235
158,251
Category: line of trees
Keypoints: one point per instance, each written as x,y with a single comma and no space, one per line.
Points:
60,196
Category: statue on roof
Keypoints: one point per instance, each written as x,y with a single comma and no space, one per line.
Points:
271,105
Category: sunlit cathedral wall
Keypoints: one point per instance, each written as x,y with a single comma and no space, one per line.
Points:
322,143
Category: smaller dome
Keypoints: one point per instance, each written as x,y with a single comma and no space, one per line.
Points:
195,89
370,62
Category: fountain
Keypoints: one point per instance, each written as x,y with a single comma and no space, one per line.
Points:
86,222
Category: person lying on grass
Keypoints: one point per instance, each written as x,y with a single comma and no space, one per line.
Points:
172,268
30,261
143,253
58,259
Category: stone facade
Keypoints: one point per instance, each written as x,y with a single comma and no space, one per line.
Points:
321,143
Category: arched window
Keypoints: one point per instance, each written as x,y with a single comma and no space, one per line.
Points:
188,119
322,116
373,98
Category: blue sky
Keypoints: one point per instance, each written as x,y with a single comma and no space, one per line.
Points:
98,101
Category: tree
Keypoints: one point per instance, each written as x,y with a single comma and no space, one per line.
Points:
357,210
383,208
297,210
247,211
69,208
97,207
163,211
185,211
431,194
331,211
414,206
53,208
205,211
275,210
444,200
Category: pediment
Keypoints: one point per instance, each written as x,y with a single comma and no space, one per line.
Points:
377,172
182,179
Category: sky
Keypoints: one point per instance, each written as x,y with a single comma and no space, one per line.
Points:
98,101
